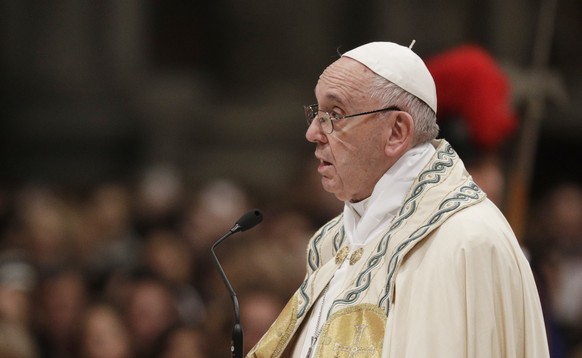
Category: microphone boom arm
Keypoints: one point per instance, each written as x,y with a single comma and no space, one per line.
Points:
246,222
223,274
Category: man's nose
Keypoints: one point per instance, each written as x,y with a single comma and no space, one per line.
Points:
314,132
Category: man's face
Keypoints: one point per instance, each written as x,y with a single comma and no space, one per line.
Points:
352,158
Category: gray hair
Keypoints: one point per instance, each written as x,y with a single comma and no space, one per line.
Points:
389,94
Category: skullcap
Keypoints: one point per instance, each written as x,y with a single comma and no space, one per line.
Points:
399,65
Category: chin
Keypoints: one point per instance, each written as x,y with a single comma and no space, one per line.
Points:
331,187
327,187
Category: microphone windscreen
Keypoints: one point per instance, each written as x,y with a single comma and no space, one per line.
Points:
249,219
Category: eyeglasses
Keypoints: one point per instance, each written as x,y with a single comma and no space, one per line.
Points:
326,119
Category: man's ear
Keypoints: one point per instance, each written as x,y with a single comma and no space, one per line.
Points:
401,133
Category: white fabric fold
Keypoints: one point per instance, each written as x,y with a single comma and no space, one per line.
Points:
364,220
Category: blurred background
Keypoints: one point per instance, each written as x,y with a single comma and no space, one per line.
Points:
134,133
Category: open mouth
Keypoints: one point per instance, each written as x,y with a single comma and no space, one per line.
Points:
323,163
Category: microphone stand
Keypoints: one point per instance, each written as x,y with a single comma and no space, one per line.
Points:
236,343
247,221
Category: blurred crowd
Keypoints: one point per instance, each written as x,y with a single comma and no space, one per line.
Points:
124,269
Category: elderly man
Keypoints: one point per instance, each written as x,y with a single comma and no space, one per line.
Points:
420,263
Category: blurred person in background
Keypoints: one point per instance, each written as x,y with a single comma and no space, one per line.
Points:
185,341
555,242
207,216
60,302
103,333
259,308
43,228
150,312
218,324
158,200
168,256
16,341
284,235
106,237
216,206
18,280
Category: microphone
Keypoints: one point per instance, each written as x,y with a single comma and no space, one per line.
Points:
247,221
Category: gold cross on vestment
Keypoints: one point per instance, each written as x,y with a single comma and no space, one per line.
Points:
354,350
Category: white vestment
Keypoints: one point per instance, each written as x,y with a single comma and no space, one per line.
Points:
444,278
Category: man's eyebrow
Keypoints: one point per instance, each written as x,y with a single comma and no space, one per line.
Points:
333,97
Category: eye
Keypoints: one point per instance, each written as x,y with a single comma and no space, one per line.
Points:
323,117
335,115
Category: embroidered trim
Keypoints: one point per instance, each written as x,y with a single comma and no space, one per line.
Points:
339,238
314,259
350,323
466,193
426,179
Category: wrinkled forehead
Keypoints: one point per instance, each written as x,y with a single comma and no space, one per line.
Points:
345,81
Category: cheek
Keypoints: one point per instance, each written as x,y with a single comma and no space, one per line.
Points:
367,162
351,170
357,158
345,158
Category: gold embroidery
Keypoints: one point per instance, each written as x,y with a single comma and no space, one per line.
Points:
341,255
355,348
356,256
356,331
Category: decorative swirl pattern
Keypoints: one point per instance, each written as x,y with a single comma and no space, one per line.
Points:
445,159
339,239
469,192
314,260
430,177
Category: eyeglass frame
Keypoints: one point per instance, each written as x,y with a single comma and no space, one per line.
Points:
312,110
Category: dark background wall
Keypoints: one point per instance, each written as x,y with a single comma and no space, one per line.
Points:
99,90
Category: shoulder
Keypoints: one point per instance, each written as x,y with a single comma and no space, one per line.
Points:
478,236
479,224
476,241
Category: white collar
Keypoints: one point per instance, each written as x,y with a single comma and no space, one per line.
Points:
362,220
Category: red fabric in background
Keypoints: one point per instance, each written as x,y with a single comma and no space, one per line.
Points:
472,86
